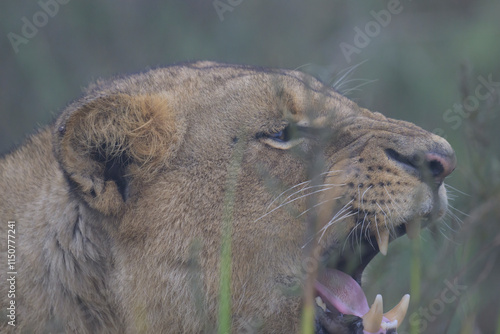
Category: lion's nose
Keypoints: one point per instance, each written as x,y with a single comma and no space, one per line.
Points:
440,165
428,166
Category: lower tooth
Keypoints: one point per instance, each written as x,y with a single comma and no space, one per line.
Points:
320,303
398,313
373,319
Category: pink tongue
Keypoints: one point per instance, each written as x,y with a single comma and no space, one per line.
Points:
342,291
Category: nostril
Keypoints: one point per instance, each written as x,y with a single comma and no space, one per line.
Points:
436,168
440,166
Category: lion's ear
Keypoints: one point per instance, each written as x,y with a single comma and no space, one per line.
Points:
110,143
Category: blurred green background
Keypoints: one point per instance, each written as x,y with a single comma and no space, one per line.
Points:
426,60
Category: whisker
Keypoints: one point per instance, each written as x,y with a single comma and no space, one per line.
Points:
392,199
392,227
340,212
349,214
461,192
452,207
301,66
362,196
367,82
367,232
387,226
331,222
298,185
348,71
448,226
362,226
355,228
454,217
332,171
451,193
307,242
443,233
359,201
311,187
323,202
290,201
349,81
389,211
295,186
344,208
385,214
347,238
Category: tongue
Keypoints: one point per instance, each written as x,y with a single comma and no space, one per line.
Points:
342,291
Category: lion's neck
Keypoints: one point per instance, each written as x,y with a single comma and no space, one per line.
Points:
36,195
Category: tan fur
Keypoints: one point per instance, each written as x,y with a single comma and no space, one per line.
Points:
119,204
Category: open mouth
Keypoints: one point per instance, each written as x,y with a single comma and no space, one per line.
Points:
341,304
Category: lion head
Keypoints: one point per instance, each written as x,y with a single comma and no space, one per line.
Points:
169,171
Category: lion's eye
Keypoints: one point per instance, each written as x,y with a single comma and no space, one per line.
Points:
283,139
281,136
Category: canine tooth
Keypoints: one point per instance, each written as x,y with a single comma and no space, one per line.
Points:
398,313
413,228
320,303
383,241
373,319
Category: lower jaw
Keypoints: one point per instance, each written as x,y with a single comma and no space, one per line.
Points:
352,313
342,304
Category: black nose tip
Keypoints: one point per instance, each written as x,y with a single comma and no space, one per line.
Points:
440,166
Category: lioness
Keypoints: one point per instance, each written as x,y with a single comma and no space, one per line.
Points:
120,208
